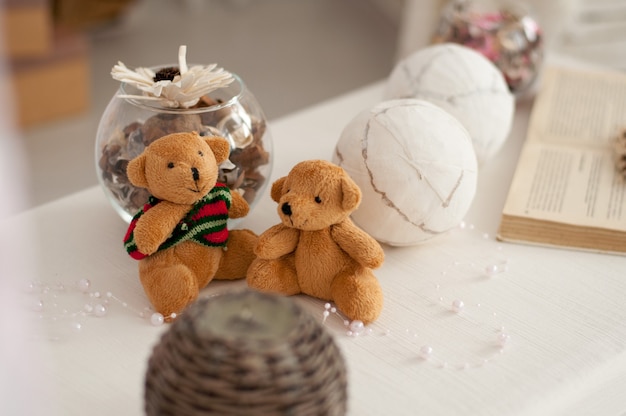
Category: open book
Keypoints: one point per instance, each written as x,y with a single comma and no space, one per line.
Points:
566,190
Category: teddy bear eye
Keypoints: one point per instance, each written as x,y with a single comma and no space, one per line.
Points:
200,153
318,199
170,165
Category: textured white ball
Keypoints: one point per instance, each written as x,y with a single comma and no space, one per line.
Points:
416,168
465,84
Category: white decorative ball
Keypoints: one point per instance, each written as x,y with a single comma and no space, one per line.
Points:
416,168
464,83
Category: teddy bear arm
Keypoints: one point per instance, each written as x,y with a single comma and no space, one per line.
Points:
359,245
239,206
276,242
156,225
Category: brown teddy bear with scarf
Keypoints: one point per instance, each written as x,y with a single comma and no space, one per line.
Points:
180,237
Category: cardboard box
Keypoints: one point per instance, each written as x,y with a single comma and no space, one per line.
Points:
27,28
54,86
88,14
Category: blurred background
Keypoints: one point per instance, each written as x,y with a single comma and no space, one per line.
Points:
291,53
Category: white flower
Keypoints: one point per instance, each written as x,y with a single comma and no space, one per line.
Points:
184,90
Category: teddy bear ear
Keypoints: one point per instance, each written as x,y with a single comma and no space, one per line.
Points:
351,194
277,189
136,171
220,147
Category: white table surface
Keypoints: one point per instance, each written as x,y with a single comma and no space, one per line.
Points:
565,311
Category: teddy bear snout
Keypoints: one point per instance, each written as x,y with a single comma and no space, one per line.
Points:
286,208
195,173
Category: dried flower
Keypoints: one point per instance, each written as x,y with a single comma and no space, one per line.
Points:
174,87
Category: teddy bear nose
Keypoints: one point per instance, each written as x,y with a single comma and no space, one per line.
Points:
286,208
195,173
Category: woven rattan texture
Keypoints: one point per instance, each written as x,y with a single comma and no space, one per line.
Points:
195,373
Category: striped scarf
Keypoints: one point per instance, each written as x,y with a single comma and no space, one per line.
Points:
205,223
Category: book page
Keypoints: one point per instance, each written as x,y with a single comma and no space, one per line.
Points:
566,172
579,107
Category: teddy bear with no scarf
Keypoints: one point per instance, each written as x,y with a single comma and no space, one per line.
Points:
317,249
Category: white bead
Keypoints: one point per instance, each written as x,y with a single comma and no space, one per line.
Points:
503,339
357,326
157,319
76,326
83,285
100,310
327,306
426,351
457,305
493,269
88,308
38,305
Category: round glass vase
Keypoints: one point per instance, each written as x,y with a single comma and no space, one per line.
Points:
129,124
503,31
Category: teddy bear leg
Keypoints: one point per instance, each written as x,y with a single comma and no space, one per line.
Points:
170,288
238,256
358,295
277,276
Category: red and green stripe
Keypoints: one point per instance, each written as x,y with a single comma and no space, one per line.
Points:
206,223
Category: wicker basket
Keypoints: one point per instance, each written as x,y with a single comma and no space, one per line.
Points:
246,353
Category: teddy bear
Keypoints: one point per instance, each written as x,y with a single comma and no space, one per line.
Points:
180,237
316,249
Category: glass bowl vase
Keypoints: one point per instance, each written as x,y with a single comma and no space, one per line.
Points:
129,124
505,32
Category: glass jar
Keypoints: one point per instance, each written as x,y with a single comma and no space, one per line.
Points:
502,31
130,124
